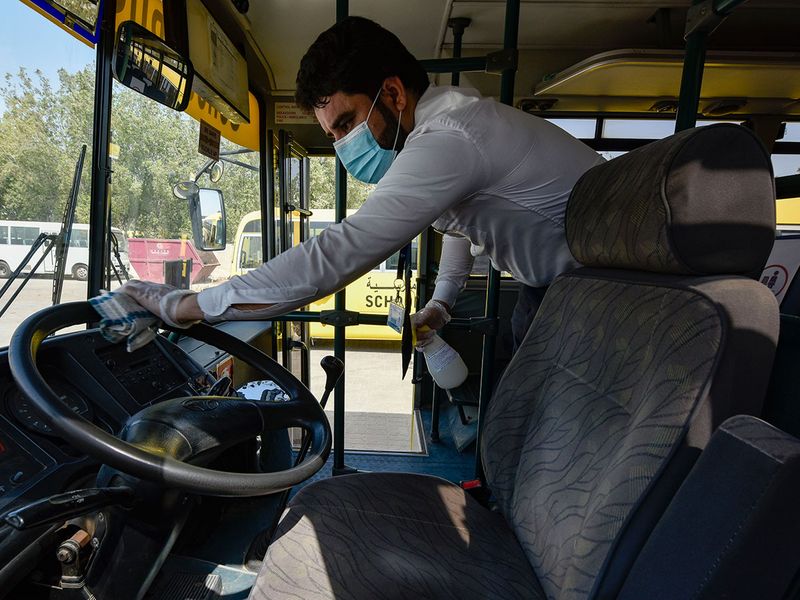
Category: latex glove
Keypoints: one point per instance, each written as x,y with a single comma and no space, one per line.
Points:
158,298
427,321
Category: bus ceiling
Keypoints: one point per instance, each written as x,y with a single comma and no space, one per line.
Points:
563,53
553,36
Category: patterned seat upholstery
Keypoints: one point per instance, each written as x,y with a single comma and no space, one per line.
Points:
630,364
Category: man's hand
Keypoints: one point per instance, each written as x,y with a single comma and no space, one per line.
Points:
425,322
147,294
175,307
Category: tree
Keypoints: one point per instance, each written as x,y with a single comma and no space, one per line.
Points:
39,143
157,149
44,125
323,182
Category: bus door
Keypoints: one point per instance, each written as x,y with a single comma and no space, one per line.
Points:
49,263
293,224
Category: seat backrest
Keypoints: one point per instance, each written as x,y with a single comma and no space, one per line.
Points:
731,531
633,360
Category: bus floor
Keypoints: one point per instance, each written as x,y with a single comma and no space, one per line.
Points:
442,458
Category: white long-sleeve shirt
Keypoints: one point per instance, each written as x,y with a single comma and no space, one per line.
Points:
494,179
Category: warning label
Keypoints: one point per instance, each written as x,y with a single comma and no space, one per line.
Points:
288,113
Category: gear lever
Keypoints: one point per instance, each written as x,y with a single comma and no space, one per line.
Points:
334,368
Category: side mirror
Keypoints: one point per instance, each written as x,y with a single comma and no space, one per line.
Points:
84,12
143,62
207,212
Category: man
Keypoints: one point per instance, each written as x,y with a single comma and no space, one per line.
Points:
493,179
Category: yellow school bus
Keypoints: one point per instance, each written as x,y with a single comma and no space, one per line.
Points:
370,293
787,213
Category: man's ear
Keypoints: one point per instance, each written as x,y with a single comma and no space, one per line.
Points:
395,92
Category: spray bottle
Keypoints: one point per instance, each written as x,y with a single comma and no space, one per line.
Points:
444,364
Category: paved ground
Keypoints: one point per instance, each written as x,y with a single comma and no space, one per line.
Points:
379,405
35,295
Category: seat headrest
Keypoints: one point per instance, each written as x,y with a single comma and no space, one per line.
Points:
699,202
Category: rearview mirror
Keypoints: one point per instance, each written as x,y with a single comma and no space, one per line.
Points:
216,171
207,212
185,189
143,62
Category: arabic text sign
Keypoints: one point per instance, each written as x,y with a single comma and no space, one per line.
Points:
209,141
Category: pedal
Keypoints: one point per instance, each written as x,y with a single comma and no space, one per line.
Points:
187,586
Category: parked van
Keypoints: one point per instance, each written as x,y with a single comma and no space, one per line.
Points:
17,237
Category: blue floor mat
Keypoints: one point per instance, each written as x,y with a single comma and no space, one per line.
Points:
443,460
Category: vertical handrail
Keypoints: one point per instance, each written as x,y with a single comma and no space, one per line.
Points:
510,38
101,136
704,17
342,11
268,241
266,161
691,80
283,201
458,25
340,303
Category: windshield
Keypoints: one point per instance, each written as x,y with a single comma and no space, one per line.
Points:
157,151
46,116
46,100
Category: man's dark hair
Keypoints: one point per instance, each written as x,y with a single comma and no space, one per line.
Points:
355,56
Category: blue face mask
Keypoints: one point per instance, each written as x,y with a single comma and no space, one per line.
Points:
361,154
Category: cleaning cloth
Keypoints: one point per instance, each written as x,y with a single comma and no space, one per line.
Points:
121,318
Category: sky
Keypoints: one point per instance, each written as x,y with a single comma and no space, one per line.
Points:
28,39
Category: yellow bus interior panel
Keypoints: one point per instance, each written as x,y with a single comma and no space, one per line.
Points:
634,80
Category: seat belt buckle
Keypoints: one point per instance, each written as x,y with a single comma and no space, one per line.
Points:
476,489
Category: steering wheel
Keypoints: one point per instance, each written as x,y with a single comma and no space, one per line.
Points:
158,442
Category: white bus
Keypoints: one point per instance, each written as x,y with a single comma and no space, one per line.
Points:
17,237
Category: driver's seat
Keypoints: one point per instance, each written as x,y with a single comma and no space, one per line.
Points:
629,366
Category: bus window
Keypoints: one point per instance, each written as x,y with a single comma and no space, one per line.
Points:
79,238
253,226
792,133
580,128
23,236
786,164
3,234
316,227
250,254
649,129
391,262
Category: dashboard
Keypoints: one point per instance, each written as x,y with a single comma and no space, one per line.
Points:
98,380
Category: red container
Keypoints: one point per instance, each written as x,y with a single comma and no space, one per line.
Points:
148,255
